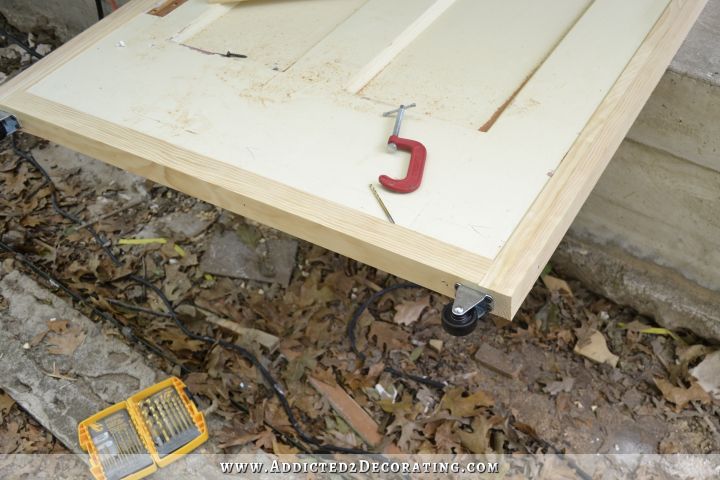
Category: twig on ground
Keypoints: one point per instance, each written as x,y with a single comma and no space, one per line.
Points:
109,214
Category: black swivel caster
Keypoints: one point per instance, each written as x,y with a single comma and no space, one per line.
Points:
460,321
8,124
459,325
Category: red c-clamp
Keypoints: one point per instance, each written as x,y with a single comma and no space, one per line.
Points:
417,151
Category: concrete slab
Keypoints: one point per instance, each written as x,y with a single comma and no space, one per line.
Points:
114,187
228,256
102,370
655,291
180,225
59,391
186,225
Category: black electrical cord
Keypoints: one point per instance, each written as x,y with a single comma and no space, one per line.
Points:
249,356
352,327
20,43
55,282
100,11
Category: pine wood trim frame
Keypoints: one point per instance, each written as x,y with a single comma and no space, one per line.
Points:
522,259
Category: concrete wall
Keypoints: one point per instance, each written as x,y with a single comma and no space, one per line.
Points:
649,235
660,208
67,17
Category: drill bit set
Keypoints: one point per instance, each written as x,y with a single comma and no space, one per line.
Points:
168,421
151,429
119,446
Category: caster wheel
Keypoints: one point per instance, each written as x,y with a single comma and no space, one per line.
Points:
459,325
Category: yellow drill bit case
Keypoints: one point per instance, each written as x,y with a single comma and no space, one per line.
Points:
151,429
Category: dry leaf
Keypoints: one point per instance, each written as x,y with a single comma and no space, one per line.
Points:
407,428
35,341
595,348
478,441
688,354
409,312
388,337
265,440
6,403
445,439
555,284
176,284
461,404
67,342
554,468
280,448
708,374
311,294
242,440
567,384
178,340
290,349
682,396
57,326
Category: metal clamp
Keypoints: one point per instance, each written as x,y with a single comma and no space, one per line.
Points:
9,124
418,156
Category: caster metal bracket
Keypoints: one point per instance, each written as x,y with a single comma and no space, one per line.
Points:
9,124
466,299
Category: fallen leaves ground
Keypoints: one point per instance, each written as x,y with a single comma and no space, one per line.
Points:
555,400
20,433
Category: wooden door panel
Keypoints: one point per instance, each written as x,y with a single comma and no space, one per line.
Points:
293,134
475,57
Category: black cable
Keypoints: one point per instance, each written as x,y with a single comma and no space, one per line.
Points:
135,308
249,356
20,43
55,282
352,327
100,12
56,206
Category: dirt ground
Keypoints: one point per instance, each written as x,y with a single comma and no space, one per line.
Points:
524,386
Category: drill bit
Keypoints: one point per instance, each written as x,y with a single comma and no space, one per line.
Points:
136,442
180,410
158,422
165,417
173,413
382,204
151,424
